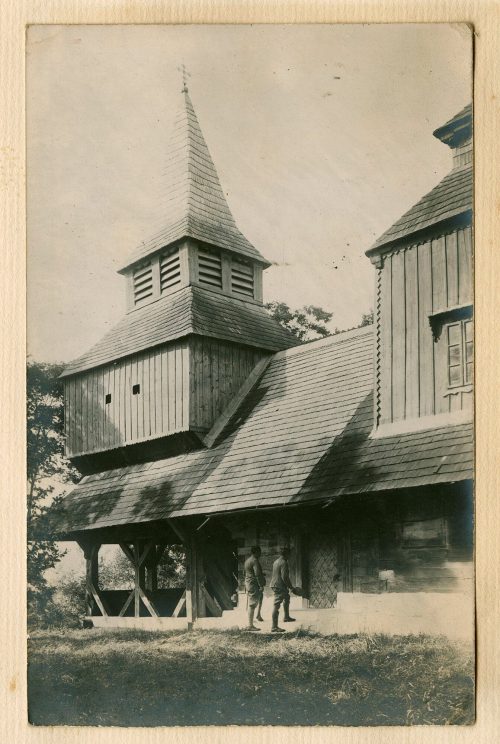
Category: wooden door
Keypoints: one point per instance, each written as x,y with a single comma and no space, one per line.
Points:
323,571
221,569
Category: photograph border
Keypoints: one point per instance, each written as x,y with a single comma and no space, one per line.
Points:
484,17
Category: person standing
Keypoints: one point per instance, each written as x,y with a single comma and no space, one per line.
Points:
281,586
254,584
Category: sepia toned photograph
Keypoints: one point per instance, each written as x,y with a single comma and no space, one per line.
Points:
250,375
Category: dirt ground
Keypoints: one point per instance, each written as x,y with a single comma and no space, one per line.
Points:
141,678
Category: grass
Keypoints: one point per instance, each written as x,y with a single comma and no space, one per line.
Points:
142,678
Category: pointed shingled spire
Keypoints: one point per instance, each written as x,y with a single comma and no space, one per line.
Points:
196,206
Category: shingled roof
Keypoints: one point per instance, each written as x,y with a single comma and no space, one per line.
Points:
457,129
195,206
191,310
452,197
302,434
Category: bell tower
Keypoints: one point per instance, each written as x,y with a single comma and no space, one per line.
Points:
194,329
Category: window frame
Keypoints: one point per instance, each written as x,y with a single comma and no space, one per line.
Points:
463,343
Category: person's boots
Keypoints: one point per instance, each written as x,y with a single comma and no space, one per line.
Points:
251,626
286,608
275,628
259,616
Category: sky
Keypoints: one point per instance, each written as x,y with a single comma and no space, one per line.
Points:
321,136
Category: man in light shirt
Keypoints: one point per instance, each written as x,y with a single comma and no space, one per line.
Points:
254,584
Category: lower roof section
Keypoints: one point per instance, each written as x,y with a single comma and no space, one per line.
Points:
302,434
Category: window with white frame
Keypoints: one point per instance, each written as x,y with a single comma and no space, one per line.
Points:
460,341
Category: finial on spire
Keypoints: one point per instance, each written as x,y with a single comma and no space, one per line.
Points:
185,74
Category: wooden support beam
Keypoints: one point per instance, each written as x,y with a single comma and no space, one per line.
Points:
148,604
211,602
200,580
145,553
180,605
91,553
152,571
191,580
235,402
137,582
127,603
98,601
127,551
143,556
181,534
219,584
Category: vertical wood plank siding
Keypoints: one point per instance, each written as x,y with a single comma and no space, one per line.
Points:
161,407
181,386
398,336
417,281
218,370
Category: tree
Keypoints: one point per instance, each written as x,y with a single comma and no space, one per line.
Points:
46,465
366,319
119,573
307,323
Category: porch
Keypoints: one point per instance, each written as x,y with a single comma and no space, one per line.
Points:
383,564
450,615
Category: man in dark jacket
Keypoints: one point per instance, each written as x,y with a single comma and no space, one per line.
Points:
254,584
281,584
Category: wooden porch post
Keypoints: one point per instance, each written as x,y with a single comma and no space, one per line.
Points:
138,579
300,565
92,598
152,568
92,576
195,596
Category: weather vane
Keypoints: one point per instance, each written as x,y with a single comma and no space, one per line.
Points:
185,74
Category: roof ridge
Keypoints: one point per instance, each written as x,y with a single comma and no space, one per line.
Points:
318,343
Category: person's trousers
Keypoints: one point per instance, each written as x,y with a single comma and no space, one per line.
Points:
280,596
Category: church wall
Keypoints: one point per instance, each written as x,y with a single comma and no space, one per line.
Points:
413,283
403,543
217,371
160,407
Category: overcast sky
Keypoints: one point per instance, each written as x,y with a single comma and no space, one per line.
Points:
321,135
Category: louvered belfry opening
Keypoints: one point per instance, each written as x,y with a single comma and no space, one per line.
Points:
209,267
170,270
242,278
143,283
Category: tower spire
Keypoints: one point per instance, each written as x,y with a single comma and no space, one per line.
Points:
195,205
185,75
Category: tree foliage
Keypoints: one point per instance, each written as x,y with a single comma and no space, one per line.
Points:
46,465
366,319
307,323
117,573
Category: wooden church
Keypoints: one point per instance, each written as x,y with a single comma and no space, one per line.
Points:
198,420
